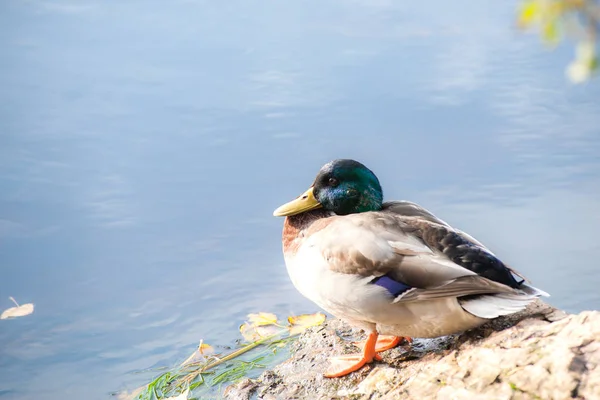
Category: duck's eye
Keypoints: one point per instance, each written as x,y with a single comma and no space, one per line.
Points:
333,182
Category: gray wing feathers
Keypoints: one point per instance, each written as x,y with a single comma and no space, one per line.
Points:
464,286
410,209
385,243
427,271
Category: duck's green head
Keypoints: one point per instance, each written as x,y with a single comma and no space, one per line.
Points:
342,186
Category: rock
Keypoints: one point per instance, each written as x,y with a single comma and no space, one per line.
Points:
540,353
241,390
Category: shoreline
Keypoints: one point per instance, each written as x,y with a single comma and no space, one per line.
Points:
539,353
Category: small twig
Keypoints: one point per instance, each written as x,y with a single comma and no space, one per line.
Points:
199,350
189,370
190,377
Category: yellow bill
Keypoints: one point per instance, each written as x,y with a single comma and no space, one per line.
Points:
305,202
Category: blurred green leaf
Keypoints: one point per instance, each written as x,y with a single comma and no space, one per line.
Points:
550,32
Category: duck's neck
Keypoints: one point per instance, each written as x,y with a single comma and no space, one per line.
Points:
294,226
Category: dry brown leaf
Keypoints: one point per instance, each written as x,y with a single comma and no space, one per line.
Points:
18,311
301,322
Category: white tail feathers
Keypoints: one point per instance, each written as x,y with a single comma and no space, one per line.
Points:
494,305
533,290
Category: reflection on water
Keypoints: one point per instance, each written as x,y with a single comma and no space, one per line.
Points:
144,147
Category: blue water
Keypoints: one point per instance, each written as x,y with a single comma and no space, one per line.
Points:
145,144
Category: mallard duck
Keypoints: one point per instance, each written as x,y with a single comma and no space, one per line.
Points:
391,268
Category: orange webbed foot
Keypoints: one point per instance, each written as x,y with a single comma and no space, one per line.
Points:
385,342
343,365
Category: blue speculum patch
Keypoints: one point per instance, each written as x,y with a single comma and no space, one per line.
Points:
394,287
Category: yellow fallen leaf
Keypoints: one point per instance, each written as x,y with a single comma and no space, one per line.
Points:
249,332
259,326
252,333
205,348
301,322
262,318
307,319
18,311
202,350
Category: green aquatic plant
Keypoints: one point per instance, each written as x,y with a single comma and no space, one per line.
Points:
205,372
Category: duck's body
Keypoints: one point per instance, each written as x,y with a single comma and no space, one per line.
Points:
390,268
